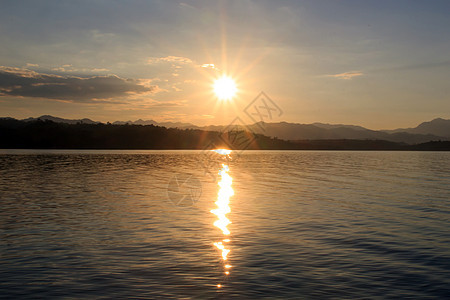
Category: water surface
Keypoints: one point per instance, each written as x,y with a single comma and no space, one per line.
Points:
305,224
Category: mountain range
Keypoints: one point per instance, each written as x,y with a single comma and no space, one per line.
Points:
319,131
437,129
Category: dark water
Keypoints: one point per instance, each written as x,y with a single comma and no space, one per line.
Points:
99,224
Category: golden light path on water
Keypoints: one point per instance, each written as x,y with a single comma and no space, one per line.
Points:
223,208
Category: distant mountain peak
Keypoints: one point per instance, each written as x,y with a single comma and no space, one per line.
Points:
61,120
438,126
438,120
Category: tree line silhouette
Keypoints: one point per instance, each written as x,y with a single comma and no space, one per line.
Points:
46,134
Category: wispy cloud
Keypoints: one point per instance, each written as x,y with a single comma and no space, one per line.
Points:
100,70
209,66
176,89
347,75
178,61
170,59
177,71
27,83
71,69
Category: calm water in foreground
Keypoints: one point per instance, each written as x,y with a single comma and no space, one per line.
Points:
103,224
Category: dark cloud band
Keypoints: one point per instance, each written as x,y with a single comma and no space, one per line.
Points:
26,83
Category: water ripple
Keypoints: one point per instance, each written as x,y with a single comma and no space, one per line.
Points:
306,224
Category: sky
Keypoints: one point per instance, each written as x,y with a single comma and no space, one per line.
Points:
379,64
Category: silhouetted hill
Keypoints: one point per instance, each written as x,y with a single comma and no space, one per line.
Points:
61,120
331,126
137,122
435,130
292,131
317,131
432,146
343,144
164,124
437,127
46,134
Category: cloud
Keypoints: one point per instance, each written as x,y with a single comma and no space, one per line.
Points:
59,69
347,75
71,69
170,59
176,61
176,89
168,104
178,70
27,83
209,66
100,70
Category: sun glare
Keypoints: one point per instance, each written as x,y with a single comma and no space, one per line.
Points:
225,88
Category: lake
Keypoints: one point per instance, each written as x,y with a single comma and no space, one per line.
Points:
304,224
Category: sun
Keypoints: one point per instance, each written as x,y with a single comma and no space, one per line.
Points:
225,88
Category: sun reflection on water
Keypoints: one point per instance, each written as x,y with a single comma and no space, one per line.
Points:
223,208
223,200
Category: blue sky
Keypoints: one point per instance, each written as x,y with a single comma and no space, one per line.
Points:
379,64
